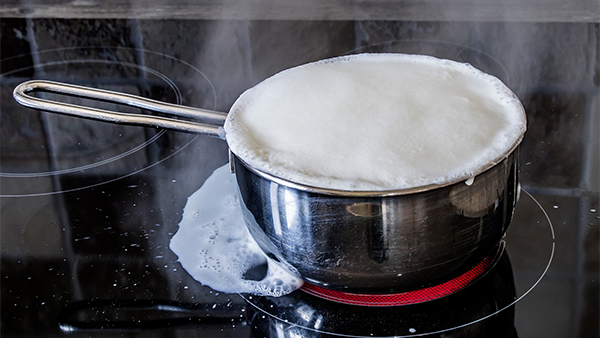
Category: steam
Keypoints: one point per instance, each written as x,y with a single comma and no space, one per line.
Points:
534,55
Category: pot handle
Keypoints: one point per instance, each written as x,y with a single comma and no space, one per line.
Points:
211,122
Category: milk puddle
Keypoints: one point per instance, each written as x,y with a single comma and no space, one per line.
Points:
214,246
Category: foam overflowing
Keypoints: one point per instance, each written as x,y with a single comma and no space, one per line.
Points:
376,122
214,246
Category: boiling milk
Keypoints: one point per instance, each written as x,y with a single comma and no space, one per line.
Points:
376,122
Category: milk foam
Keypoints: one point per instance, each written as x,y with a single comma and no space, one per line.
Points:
214,246
376,122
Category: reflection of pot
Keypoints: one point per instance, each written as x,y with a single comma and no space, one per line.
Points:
483,309
353,241
480,310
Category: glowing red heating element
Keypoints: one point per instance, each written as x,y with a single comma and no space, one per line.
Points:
404,298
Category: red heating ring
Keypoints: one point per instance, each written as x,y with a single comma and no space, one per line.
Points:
404,298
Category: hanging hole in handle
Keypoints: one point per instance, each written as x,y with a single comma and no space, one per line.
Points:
95,103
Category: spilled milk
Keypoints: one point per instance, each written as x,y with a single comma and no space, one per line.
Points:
214,246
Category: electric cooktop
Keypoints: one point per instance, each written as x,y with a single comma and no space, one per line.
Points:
88,208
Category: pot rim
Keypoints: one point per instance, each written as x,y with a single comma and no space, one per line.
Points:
367,193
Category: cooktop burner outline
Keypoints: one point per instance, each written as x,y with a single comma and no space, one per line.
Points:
545,218
39,71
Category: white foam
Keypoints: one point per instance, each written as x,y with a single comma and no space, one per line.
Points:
214,246
376,122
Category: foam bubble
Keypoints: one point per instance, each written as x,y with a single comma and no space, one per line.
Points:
376,122
214,246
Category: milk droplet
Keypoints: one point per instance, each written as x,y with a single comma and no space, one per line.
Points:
214,246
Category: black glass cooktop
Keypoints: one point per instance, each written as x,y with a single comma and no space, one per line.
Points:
88,208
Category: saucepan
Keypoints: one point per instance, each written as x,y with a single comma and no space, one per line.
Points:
351,241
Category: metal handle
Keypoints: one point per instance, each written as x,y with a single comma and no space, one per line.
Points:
211,121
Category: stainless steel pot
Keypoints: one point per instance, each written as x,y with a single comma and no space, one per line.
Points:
379,243
352,241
